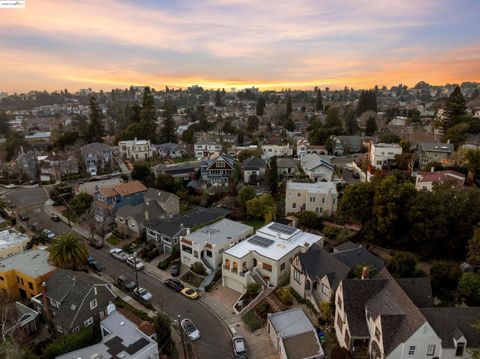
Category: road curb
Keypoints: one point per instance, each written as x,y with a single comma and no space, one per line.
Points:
216,316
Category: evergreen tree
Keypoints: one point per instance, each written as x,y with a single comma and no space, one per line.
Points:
4,125
168,132
240,138
475,94
351,125
371,126
135,112
273,176
148,115
218,99
289,105
290,125
333,117
455,109
95,129
367,101
260,106
319,102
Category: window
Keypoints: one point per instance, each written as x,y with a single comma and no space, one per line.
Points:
298,194
323,199
460,349
221,164
30,285
267,267
431,350
411,350
377,334
93,304
1,278
294,205
18,280
312,199
187,249
227,263
195,254
282,266
54,303
296,275
234,267
88,322
339,322
325,289
339,302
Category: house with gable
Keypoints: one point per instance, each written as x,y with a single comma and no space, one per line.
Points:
217,170
253,169
317,168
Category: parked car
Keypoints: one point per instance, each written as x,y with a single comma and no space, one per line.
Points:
48,234
239,347
190,329
175,270
115,174
23,216
135,263
95,265
143,294
174,284
11,186
119,254
54,217
95,243
124,282
190,293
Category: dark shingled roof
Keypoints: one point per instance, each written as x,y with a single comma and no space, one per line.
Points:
345,246
450,322
418,289
196,217
317,263
359,256
253,163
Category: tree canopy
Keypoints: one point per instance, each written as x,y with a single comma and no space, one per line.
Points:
68,251
455,109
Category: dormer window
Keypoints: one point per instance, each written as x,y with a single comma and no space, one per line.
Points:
54,303
460,349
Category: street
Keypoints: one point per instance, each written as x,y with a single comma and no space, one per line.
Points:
215,341
341,162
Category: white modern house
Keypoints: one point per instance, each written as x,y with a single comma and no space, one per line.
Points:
317,167
265,257
381,154
12,242
318,197
135,150
278,150
206,148
208,243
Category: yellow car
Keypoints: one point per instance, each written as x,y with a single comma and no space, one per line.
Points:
190,293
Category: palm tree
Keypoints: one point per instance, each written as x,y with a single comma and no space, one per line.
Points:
68,251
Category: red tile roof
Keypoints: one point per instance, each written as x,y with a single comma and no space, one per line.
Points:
441,176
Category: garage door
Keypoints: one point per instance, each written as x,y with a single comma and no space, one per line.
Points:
233,284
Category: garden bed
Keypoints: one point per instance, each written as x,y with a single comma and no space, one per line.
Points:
193,279
253,321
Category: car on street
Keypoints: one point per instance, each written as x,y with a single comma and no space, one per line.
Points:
11,186
190,293
119,254
190,329
95,265
174,284
239,347
23,216
143,294
135,263
54,217
95,243
115,174
175,270
124,282
48,234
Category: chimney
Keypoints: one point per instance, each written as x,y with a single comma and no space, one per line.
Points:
365,272
45,301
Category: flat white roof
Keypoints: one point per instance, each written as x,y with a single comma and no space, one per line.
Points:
317,187
273,241
10,237
219,232
385,145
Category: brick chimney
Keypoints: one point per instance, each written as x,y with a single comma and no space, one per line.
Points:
365,272
45,301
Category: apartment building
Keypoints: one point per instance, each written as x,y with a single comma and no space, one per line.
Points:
318,197
383,154
135,150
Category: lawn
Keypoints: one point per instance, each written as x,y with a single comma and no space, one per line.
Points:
256,223
113,240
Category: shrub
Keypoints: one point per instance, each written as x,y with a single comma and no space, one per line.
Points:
71,342
164,264
309,219
252,321
175,253
252,290
127,248
198,268
113,240
326,311
120,303
262,307
297,296
445,277
284,295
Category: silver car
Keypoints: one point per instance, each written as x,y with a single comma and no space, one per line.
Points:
119,254
135,263
239,347
190,329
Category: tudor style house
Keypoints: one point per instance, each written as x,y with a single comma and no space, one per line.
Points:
73,300
217,170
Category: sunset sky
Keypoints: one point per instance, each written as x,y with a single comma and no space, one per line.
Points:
53,44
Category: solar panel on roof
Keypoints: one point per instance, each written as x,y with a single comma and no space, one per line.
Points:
281,228
261,241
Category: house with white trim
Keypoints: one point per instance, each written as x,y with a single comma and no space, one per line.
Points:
317,168
318,197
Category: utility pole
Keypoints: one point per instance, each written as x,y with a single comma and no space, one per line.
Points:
136,274
181,336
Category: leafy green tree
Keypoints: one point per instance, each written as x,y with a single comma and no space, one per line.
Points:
273,175
289,105
70,342
252,123
469,288
9,349
240,138
68,251
310,220
198,268
471,159
371,126
61,193
357,202
389,137
168,132
142,172
148,115
260,108
444,276
262,207
245,194
455,109
457,133
167,183
81,204
473,253
95,129
351,125
319,101
367,101
403,265
4,125
333,117
163,329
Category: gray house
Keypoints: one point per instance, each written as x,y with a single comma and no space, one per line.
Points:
253,169
433,152
166,232
27,165
74,300
287,167
97,155
343,145
171,150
